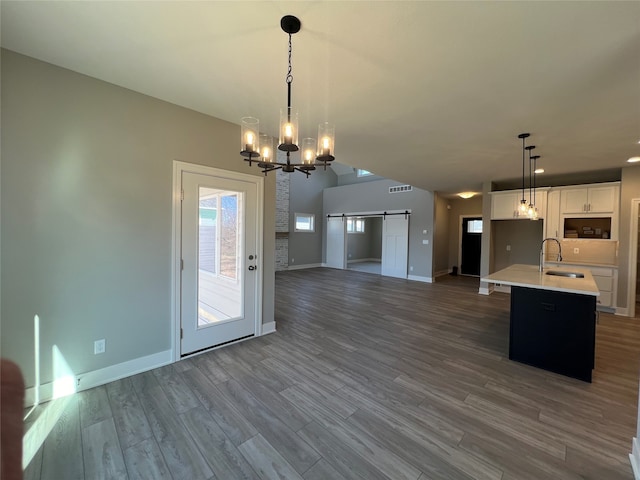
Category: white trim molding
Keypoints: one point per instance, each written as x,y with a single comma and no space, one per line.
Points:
442,273
634,458
269,327
417,278
485,290
95,378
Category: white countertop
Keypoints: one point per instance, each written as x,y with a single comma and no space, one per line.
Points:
529,276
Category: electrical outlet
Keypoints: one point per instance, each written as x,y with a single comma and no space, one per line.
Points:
508,248
576,250
293,260
99,346
411,268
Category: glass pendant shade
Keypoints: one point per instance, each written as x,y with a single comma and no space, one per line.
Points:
308,151
249,136
288,140
326,142
267,152
523,207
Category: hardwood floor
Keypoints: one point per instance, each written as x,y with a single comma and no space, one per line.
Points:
367,377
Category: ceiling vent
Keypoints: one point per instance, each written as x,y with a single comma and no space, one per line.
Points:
400,188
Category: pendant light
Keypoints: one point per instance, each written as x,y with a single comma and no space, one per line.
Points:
531,206
312,153
534,215
523,207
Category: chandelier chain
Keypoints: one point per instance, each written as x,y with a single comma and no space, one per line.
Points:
289,75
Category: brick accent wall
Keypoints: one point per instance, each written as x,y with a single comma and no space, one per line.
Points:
282,220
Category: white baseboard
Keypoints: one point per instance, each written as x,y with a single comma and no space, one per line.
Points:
485,290
95,378
634,458
362,260
39,430
442,273
269,327
417,278
308,265
623,312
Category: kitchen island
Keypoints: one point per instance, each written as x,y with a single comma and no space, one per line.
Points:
552,319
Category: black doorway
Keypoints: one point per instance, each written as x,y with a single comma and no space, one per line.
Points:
470,246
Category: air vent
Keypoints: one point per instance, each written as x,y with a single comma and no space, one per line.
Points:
400,188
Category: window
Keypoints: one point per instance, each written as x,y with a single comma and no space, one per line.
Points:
218,235
474,226
362,173
355,225
304,222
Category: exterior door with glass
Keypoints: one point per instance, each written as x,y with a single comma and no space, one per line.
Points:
219,261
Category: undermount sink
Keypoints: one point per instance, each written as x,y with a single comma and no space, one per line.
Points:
563,273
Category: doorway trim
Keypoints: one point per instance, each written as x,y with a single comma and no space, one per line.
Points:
179,168
460,221
633,258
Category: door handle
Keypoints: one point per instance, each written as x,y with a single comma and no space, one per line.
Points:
252,267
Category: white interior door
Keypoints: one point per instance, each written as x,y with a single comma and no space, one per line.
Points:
219,261
395,245
336,242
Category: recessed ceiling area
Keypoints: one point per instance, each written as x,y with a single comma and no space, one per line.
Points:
431,94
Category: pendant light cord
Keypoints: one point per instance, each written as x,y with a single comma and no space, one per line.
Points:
523,138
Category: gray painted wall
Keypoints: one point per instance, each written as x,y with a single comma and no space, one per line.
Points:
524,237
460,206
375,197
305,196
375,227
86,213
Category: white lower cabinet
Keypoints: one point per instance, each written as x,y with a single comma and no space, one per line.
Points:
606,279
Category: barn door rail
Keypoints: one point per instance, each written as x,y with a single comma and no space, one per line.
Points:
384,215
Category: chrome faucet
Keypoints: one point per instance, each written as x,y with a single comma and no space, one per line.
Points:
559,259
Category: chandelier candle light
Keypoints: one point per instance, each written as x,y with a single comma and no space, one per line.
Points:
258,148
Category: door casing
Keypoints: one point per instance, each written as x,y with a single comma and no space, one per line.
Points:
176,242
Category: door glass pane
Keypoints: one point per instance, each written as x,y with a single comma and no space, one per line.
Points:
219,256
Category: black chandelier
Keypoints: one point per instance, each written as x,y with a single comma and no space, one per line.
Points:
258,148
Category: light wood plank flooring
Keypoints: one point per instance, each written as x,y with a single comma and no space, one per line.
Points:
367,377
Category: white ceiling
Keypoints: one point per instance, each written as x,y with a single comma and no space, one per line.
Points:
431,94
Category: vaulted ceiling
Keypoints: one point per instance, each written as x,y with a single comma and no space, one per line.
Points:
432,94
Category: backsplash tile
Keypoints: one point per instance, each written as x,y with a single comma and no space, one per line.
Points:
589,251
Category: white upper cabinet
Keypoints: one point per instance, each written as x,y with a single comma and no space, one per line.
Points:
552,221
601,199
505,205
